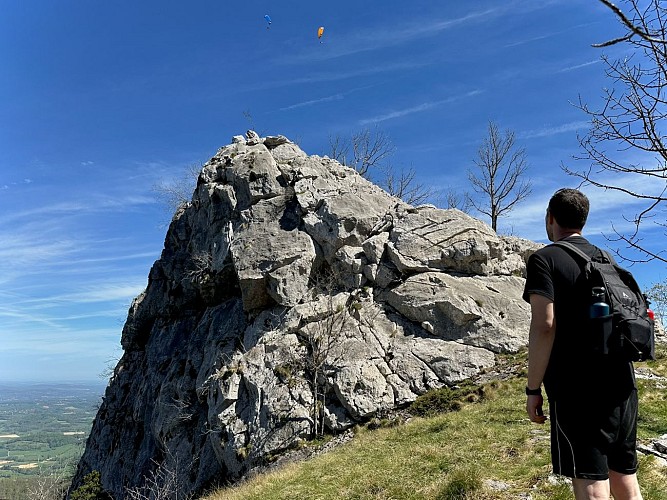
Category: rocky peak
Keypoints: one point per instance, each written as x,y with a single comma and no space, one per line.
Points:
292,297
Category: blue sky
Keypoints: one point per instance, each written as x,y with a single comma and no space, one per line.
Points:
102,100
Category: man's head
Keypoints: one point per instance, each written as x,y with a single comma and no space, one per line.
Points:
569,208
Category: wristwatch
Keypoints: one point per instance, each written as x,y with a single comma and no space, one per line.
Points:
533,392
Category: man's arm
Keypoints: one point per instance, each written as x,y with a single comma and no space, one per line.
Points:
540,343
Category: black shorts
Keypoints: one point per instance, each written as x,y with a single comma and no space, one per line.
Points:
590,439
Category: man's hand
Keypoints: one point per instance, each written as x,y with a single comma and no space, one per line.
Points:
534,409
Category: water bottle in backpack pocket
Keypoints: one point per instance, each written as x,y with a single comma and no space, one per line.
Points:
600,322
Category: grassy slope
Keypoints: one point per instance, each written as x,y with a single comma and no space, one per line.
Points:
455,455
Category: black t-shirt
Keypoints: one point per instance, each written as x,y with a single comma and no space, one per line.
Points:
573,371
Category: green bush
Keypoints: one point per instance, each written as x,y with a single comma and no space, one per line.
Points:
445,399
91,488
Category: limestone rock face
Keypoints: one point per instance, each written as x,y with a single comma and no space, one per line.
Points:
478,311
294,296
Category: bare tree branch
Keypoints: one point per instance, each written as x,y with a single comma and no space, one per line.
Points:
627,136
635,30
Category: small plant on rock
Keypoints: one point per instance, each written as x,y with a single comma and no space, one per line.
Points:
91,488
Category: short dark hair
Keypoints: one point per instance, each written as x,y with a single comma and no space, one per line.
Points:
570,208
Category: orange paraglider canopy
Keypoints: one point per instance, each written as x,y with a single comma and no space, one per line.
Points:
320,32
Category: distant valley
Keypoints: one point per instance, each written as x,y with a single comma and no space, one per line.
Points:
43,426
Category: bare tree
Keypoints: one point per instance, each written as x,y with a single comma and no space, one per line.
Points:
368,152
339,148
627,136
499,176
177,192
323,341
402,183
249,117
51,484
452,198
368,149
161,484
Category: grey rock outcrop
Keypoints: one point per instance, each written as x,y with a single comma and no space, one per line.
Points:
293,294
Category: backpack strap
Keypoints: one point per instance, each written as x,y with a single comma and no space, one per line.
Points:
577,251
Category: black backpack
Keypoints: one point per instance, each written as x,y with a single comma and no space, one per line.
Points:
627,331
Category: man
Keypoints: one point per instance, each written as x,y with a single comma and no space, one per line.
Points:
592,398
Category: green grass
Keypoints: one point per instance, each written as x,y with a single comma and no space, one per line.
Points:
653,398
454,455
